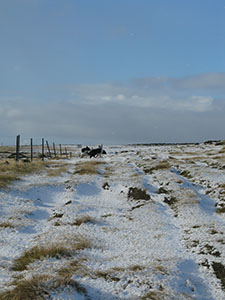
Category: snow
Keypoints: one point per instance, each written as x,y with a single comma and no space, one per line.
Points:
139,246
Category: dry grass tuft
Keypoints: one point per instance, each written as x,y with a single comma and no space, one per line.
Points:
11,170
90,167
76,267
84,219
157,295
27,289
57,169
55,250
112,274
186,173
6,225
7,149
40,287
37,253
136,268
163,165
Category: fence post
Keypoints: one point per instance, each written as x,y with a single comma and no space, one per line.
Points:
17,147
54,149
60,149
66,152
31,149
43,149
49,151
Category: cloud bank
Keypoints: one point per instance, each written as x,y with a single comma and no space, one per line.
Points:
154,109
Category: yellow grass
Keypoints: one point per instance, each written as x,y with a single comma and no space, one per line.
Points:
6,225
84,219
55,250
90,167
57,169
7,149
11,170
39,288
163,165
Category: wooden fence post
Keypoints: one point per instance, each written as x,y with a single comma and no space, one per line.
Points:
31,149
60,149
54,149
43,149
66,152
49,151
17,147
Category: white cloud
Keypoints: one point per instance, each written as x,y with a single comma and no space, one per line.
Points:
195,104
138,111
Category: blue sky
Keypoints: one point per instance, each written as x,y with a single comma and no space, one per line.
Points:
112,71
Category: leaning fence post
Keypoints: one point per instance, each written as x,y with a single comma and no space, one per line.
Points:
43,149
49,151
31,149
17,147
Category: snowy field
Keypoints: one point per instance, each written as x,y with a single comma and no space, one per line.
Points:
142,222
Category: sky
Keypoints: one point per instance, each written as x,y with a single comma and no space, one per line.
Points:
112,71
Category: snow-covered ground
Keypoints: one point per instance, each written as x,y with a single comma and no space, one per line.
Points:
163,240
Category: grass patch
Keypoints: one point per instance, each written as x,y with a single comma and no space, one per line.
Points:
40,287
6,225
88,167
76,267
11,170
55,250
84,219
107,276
163,165
186,174
27,289
7,149
112,274
156,295
57,169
